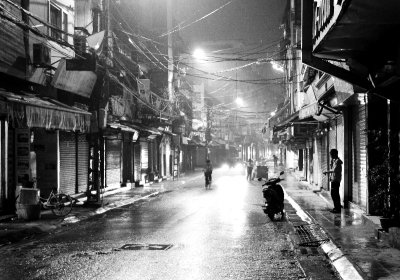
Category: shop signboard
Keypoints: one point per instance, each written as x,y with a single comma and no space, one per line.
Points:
22,151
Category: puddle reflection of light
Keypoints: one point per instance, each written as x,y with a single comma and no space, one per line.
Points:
231,196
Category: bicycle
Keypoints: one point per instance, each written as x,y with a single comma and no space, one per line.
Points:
59,203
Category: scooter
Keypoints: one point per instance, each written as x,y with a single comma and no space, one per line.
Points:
274,196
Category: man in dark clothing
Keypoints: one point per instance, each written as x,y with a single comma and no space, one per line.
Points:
249,169
335,176
208,169
275,160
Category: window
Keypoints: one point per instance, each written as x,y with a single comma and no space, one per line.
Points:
58,19
65,26
55,20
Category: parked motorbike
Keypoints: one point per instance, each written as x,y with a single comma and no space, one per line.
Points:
274,196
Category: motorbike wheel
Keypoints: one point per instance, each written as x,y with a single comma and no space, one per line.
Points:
271,216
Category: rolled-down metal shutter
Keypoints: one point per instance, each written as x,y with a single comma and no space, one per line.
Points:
113,162
151,154
67,162
83,162
136,159
144,155
324,159
359,194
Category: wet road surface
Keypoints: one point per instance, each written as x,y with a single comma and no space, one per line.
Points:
191,233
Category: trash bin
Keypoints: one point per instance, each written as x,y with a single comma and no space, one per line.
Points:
28,211
28,205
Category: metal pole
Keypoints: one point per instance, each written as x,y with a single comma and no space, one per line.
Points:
170,51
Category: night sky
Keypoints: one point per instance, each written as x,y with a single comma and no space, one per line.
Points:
252,21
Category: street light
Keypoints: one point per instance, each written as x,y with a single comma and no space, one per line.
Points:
277,66
239,101
199,54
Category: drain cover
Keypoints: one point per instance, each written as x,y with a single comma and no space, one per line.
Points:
311,235
146,247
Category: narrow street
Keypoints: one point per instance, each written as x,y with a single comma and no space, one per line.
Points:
185,233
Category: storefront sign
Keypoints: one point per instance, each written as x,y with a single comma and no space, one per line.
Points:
78,82
22,147
322,15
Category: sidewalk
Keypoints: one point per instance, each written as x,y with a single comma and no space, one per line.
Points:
13,230
353,249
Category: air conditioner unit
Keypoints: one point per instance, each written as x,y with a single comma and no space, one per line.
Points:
41,55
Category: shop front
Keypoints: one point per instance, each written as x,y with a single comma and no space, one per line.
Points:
35,140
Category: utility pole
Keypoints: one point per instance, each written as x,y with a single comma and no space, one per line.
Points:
97,139
170,52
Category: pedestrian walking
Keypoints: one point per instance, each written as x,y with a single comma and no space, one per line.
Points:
275,160
335,176
249,169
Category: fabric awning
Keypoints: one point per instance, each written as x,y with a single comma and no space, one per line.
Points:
30,110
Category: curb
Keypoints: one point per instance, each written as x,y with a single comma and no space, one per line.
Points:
340,262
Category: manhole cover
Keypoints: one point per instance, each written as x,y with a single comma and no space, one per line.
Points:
311,235
146,247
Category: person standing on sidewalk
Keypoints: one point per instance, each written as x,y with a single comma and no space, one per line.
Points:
336,176
275,160
249,169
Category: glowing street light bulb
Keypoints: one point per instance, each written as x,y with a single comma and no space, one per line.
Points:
277,66
199,54
239,101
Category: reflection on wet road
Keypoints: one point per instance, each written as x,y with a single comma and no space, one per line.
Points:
220,233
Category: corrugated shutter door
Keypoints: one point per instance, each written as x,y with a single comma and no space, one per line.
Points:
360,164
144,155
113,162
67,162
136,159
150,149
324,160
83,162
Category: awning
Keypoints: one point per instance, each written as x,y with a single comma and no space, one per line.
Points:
125,128
94,41
320,111
144,130
122,127
29,110
286,123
